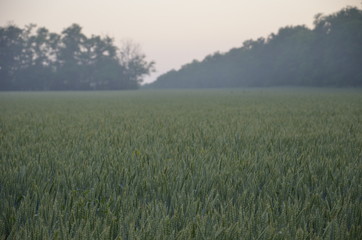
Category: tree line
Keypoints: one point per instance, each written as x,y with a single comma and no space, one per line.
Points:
330,54
33,58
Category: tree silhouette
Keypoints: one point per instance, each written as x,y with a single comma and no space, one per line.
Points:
36,59
328,55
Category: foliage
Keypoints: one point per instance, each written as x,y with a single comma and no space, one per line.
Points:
328,55
36,59
255,164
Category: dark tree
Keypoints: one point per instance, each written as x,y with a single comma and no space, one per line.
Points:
328,55
36,59
11,55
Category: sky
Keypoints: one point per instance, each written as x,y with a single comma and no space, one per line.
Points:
171,32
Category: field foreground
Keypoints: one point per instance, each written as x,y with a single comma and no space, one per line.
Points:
211,164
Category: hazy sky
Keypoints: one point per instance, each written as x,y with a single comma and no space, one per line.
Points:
171,32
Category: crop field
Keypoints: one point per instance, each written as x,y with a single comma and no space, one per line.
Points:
197,164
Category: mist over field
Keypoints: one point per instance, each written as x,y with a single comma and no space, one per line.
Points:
262,141
217,164
327,55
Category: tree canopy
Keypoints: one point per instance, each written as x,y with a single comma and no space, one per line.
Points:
330,54
33,58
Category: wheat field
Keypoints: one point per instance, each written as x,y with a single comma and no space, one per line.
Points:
177,164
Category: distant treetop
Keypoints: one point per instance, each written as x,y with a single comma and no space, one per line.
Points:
330,54
33,58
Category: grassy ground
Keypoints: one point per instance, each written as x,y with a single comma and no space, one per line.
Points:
211,164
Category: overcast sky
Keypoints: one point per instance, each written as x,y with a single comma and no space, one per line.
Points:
171,32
